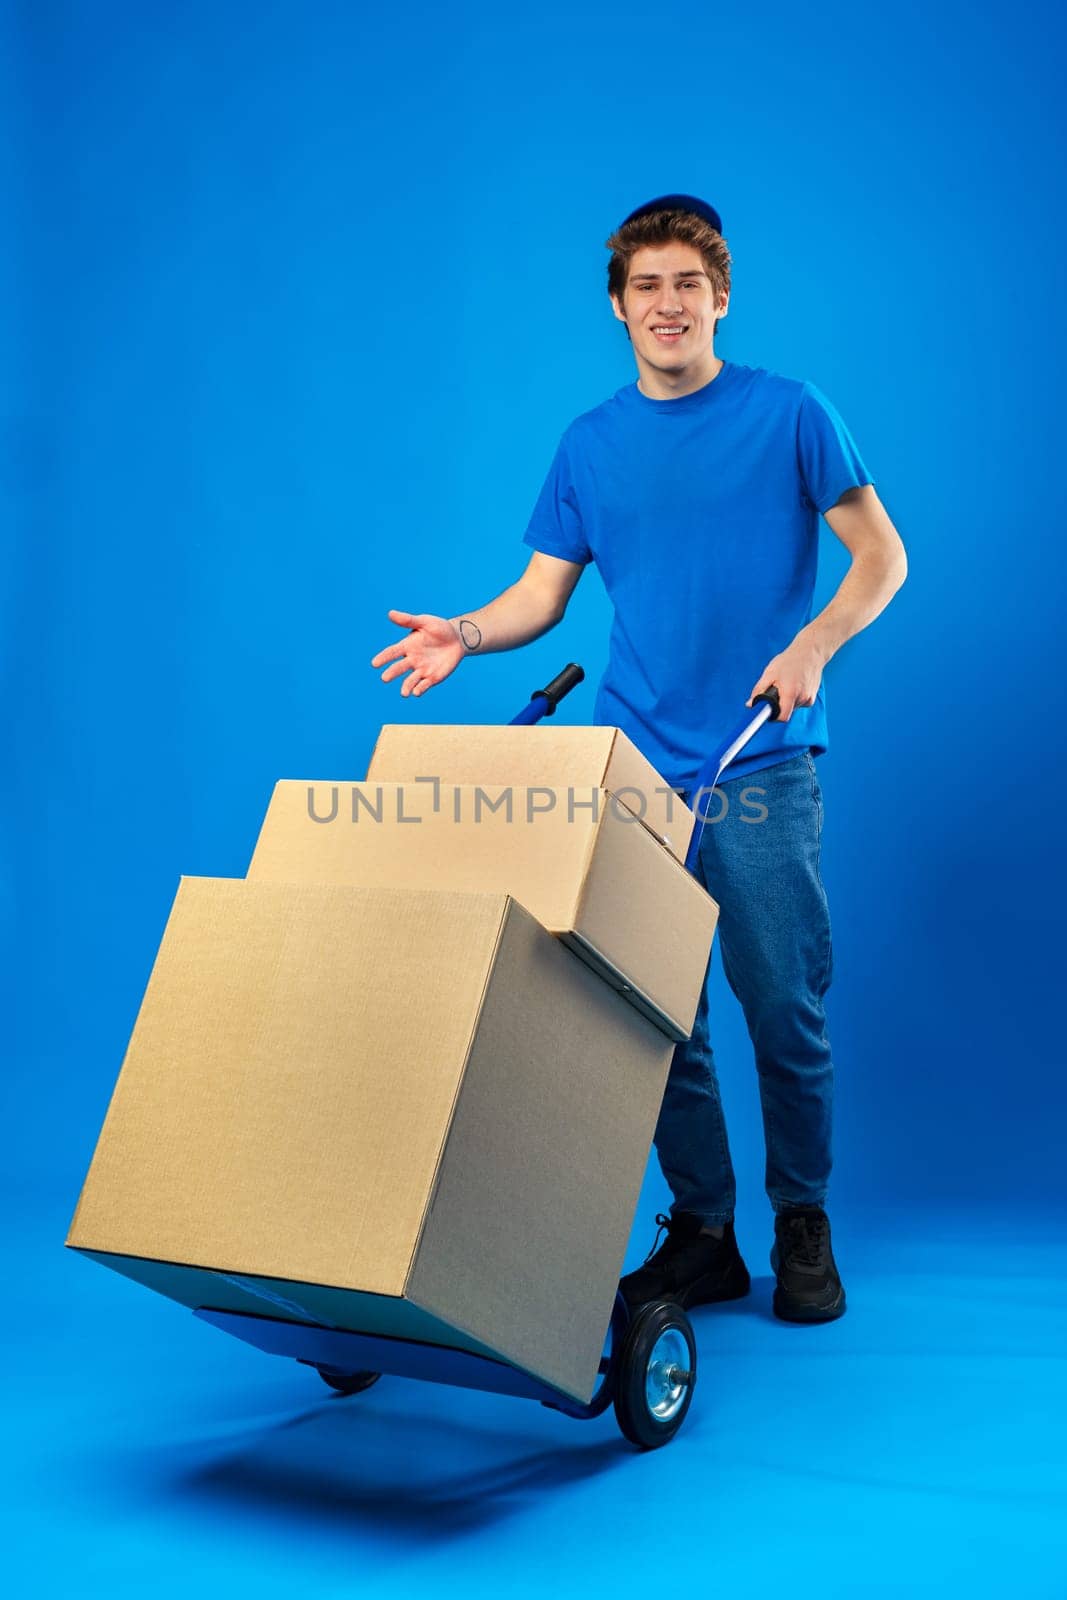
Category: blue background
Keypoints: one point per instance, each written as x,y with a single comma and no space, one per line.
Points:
297,301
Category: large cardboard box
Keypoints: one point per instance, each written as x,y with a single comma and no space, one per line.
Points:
579,860
564,757
391,1111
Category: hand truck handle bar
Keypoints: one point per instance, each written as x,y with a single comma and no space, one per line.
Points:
716,765
543,702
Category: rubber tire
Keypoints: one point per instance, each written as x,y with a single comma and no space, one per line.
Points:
637,1423
348,1382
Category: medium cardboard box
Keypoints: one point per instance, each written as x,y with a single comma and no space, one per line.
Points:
393,1111
564,757
579,860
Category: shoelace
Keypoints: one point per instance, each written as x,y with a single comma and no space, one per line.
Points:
807,1239
663,1221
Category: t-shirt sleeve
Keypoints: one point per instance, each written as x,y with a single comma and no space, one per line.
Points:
556,524
827,456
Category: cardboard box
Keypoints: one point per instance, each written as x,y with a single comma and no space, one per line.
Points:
391,1111
583,758
579,860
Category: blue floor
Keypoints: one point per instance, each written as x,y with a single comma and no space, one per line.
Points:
915,1447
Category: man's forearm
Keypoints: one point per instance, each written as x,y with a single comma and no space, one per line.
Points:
866,589
512,619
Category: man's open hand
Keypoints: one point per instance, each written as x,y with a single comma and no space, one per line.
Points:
431,650
797,673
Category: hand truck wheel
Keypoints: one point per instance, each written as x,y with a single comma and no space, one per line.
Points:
347,1382
656,1374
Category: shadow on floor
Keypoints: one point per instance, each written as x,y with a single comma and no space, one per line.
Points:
432,1473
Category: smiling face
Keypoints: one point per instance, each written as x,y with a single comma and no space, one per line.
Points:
670,310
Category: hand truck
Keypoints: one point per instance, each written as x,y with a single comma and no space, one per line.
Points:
649,1366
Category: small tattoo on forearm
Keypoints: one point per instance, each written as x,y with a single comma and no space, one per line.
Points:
470,633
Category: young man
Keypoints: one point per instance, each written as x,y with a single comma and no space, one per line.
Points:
697,491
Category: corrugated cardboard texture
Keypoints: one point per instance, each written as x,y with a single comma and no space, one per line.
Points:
544,1161
648,918
582,758
286,1092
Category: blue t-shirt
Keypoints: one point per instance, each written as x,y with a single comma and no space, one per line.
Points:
702,515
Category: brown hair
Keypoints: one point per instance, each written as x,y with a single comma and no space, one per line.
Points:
662,227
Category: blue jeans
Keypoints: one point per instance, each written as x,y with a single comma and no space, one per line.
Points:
760,861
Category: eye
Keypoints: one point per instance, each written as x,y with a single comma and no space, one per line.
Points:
690,286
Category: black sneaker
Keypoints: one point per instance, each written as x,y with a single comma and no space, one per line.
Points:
689,1268
808,1289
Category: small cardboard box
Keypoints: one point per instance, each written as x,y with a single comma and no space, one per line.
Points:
579,860
582,758
392,1111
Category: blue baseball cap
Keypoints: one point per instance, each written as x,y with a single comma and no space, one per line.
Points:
678,202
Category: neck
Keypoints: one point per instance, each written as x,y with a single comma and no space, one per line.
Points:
660,385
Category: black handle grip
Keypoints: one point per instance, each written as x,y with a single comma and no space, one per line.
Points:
561,684
770,694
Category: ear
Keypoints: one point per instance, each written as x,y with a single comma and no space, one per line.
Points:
723,306
616,306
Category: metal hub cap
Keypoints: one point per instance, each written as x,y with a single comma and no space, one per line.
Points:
668,1375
